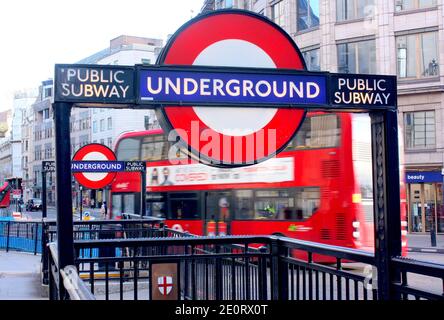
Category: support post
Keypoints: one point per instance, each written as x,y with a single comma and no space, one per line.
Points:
44,205
386,199
143,194
65,243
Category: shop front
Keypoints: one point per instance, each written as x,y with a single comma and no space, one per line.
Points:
425,199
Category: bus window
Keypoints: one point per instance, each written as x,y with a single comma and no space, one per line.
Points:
273,204
307,202
184,206
117,205
320,131
277,204
244,204
129,203
155,205
128,150
154,148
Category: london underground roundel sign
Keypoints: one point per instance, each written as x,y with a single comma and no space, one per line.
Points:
229,136
94,152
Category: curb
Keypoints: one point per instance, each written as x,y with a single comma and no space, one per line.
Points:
426,250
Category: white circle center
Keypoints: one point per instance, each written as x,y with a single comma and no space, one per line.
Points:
235,121
95,156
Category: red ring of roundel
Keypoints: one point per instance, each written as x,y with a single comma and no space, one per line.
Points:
81,153
197,36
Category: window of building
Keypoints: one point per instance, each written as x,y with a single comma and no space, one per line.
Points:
404,5
94,126
353,9
110,142
357,57
145,61
311,58
321,131
102,141
38,153
277,13
419,129
418,55
109,123
307,12
46,113
102,125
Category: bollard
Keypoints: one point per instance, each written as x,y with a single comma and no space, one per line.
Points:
433,235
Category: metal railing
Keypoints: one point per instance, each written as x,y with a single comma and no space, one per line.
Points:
98,230
21,236
232,268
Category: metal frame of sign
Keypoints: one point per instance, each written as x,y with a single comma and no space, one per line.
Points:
384,129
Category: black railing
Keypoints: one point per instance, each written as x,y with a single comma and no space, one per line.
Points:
99,230
244,268
23,236
428,283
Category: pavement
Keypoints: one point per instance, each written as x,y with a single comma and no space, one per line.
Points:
20,276
422,243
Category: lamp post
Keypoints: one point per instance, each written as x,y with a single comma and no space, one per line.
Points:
81,201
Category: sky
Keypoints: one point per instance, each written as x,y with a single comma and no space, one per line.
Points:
37,34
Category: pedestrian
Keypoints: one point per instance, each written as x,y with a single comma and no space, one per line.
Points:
92,203
103,210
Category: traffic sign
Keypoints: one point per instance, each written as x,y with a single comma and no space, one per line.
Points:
233,136
94,152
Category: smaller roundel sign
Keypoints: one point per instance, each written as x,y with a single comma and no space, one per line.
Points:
219,135
94,152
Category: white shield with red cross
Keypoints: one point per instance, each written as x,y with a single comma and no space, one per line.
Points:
165,284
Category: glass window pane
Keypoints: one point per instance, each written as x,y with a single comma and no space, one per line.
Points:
429,56
128,150
366,57
244,204
184,209
311,58
420,129
117,204
129,203
411,56
307,14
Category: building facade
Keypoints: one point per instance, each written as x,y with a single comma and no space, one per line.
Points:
394,37
43,144
103,126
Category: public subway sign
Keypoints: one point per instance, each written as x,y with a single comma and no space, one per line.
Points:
99,84
209,86
234,96
108,166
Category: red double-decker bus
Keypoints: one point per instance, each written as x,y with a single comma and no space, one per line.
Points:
5,195
318,189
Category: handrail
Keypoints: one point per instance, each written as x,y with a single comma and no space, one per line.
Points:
102,222
53,251
75,286
335,251
327,249
418,266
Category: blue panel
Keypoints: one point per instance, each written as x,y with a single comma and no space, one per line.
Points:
224,88
423,177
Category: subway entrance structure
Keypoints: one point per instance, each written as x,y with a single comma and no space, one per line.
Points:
236,67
